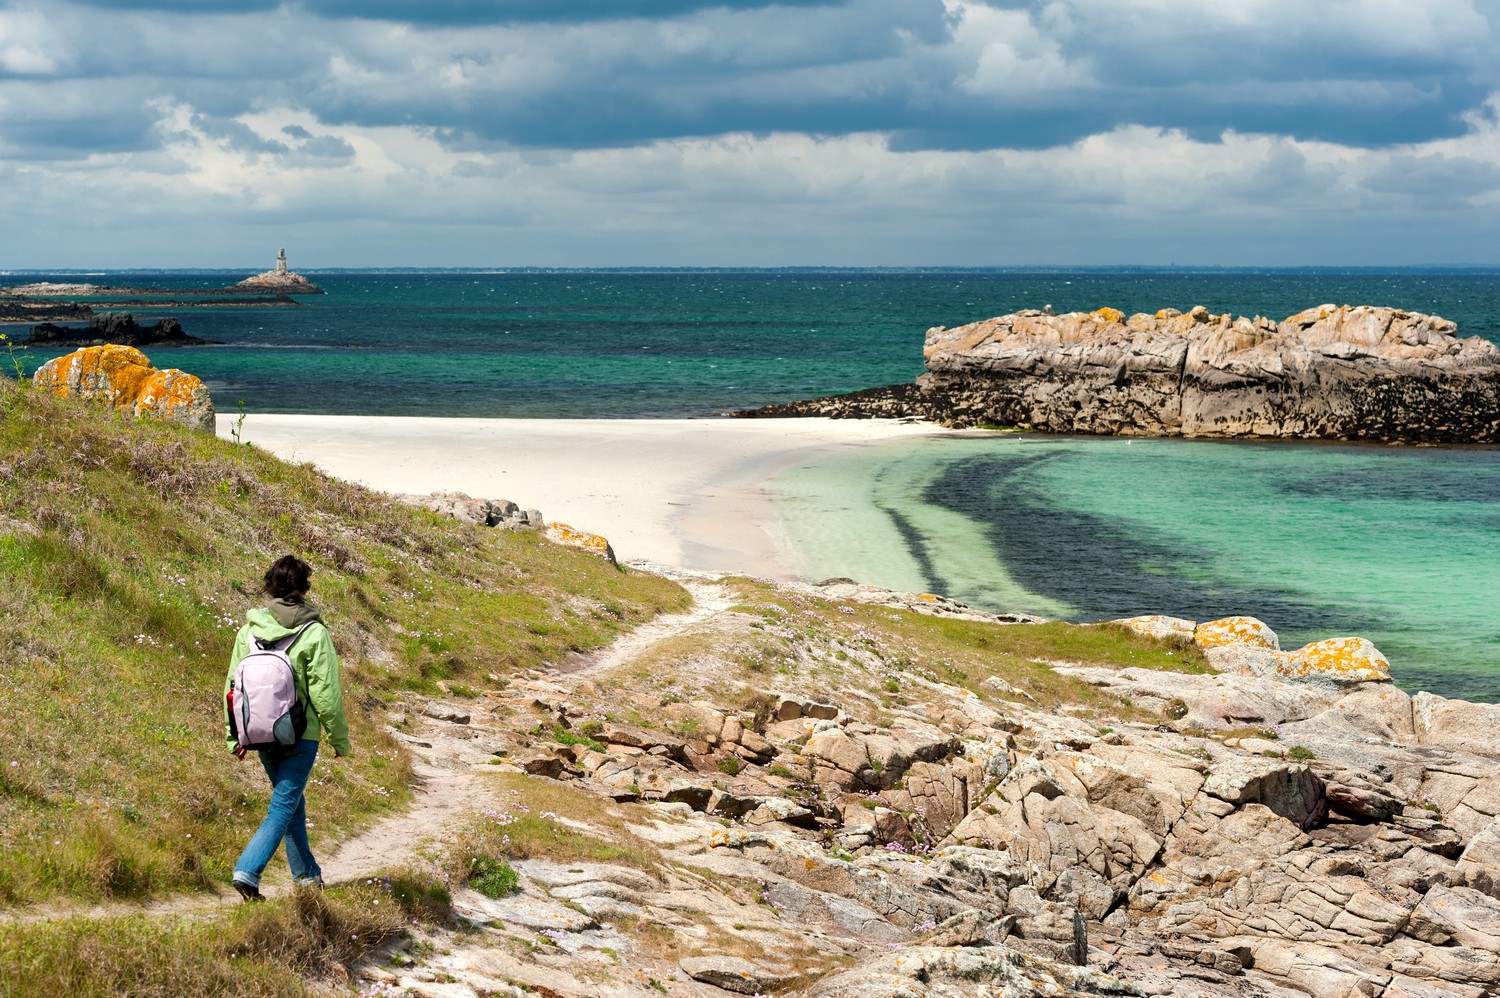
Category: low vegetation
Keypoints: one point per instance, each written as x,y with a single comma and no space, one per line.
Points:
822,648
128,555
546,819
270,949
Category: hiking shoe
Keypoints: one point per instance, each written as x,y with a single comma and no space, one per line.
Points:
314,883
248,891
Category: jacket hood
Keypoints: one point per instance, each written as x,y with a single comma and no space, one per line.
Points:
279,618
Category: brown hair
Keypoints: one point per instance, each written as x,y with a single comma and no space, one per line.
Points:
288,579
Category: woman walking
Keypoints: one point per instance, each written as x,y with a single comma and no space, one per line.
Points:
315,666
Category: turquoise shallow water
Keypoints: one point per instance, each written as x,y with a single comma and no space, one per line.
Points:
1397,545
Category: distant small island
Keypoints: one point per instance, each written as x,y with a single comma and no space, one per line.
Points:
44,301
1330,372
280,279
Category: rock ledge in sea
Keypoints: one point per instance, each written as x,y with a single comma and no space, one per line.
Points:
115,327
1331,372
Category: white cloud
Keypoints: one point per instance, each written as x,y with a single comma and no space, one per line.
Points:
1132,193
1009,55
31,46
877,131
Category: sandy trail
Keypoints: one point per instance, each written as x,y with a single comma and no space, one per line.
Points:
442,800
449,787
709,599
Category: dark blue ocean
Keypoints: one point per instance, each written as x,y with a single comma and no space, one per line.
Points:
623,345
1401,545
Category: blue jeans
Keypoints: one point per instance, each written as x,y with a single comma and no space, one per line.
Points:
286,818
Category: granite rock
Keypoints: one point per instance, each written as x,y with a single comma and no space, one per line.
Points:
123,377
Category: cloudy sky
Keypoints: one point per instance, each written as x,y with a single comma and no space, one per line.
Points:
162,133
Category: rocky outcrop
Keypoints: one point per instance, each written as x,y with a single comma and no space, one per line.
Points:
598,544
500,513
507,515
123,377
115,327
1268,833
1247,647
1332,372
284,282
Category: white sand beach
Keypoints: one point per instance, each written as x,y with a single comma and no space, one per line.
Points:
683,492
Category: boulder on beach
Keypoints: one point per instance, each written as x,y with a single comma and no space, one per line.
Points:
123,377
481,512
561,533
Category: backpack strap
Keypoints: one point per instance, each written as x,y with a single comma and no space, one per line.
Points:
289,639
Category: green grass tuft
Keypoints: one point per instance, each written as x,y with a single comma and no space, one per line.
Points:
493,877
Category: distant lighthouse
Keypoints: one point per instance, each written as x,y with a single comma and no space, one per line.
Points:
281,280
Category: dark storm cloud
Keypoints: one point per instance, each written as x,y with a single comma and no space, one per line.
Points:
955,76
913,69
467,12
183,6
518,11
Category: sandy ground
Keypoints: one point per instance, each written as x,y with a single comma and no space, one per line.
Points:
683,492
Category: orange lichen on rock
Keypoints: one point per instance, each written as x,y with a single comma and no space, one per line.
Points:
561,533
1108,314
1337,661
1236,631
123,377
1343,660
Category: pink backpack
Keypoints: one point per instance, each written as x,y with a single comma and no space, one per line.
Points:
265,711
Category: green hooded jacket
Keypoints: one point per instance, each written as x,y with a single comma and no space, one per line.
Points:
314,662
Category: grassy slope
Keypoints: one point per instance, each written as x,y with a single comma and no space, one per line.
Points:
128,555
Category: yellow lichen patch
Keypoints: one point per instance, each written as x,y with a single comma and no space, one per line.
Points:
1108,314
123,377
110,373
1348,660
1235,631
167,394
726,838
593,543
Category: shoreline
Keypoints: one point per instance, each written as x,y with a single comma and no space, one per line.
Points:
690,493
